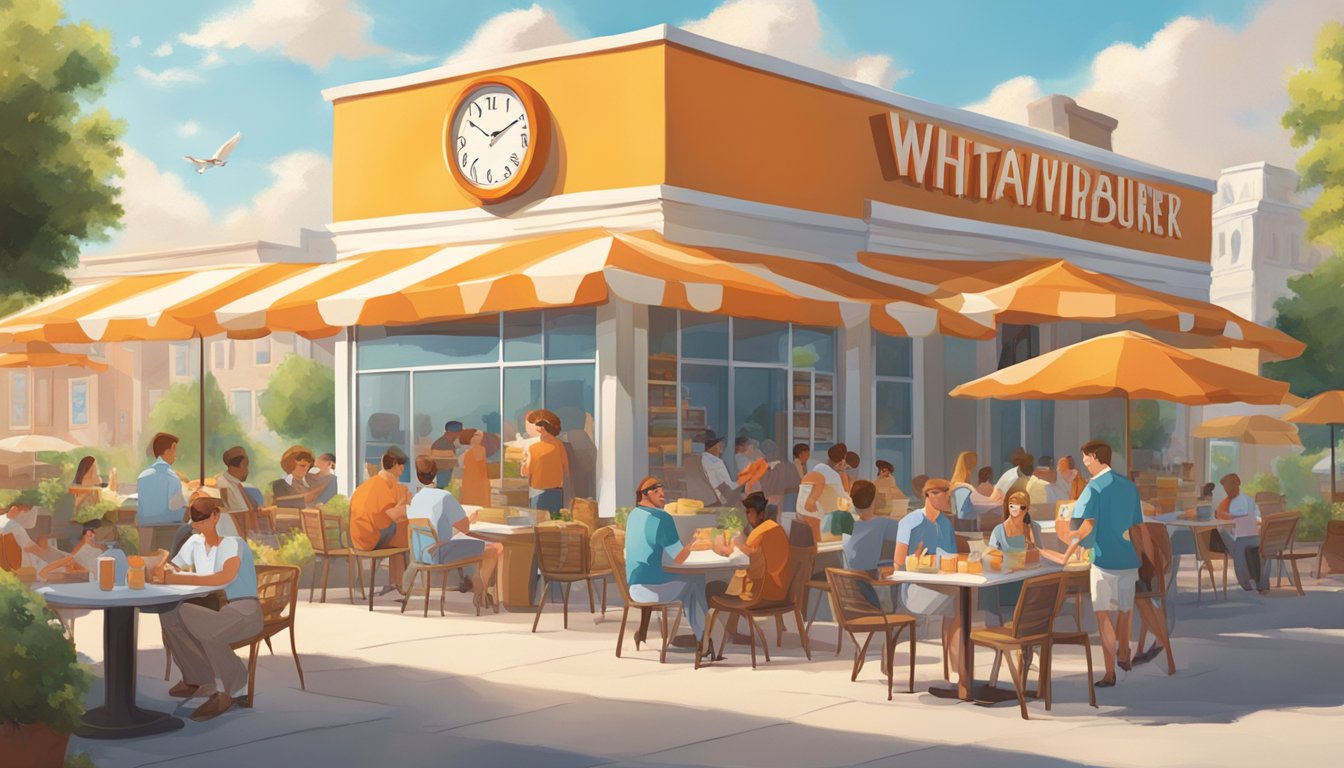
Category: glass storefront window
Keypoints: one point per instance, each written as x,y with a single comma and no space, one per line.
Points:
522,393
761,409
571,334
894,407
895,356
894,394
522,336
662,332
897,450
570,395
382,414
704,337
813,348
475,340
470,396
759,341
704,395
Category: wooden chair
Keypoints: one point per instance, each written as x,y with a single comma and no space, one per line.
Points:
858,615
374,556
1207,557
425,541
326,531
1270,503
614,549
278,593
1150,595
564,556
1057,638
1032,627
1277,533
799,568
1330,557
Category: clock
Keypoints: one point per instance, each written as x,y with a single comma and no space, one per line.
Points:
495,138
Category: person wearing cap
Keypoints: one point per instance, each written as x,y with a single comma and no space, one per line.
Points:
200,639
716,472
930,531
651,541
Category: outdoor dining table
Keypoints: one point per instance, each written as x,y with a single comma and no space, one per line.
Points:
517,564
119,717
966,688
702,560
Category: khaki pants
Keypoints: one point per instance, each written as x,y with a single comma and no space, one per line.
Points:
199,640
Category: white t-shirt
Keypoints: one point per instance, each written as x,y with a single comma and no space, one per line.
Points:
1007,480
716,472
205,561
832,477
1245,515
14,527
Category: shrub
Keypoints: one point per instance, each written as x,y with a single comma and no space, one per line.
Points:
95,511
1263,482
43,681
295,549
730,520
1295,478
1315,514
622,515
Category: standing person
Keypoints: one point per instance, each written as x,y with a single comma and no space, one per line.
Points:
546,463
1015,477
650,540
827,485
802,453
716,472
1109,506
850,472
200,639
452,526
1069,482
378,513
475,470
930,531
444,452
742,454
160,503
1244,541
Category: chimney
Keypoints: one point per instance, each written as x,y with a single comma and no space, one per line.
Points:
1062,115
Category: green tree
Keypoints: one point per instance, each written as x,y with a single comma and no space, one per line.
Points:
1315,116
58,153
300,403
179,413
1313,314
1149,427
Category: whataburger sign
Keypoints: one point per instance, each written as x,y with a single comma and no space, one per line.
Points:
934,157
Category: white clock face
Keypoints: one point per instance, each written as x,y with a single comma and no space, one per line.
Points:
491,137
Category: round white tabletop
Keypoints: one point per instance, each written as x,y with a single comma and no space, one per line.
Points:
86,594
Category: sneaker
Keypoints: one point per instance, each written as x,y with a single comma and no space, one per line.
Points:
216,705
184,690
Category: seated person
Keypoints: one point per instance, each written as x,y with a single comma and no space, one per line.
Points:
15,522
651,541
378,513
322,478
863,547
929,531
198,637
886,481
161,501
1244,540
230,484
293,490
1017,533
452,525
84,559
765,582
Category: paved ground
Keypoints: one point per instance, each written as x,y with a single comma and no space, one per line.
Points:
1257,680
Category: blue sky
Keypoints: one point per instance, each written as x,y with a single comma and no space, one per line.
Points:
952,52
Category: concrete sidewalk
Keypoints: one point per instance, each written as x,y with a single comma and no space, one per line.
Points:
1255,681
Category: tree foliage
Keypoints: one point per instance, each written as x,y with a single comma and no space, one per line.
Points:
59,155
300,403
1313,314
179,413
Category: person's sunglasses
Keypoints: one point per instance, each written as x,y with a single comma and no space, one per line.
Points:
650,489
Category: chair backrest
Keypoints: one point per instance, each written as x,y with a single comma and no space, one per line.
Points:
1269,502
1037,605
562,549
849,596
1153,546
310,520
278,592
11,554
422,537
615,551
1203,544
801,560
1332,548
1276,533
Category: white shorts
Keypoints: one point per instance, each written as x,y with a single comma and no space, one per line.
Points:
1113,590
929,601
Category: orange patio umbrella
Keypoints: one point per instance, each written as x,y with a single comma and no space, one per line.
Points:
1255,429
42,355
1325,408
1127,365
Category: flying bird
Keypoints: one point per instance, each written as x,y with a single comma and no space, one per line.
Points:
220,157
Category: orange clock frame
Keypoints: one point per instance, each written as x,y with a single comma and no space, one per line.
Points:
535,161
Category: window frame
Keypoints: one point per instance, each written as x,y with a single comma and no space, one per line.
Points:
27,400
88,417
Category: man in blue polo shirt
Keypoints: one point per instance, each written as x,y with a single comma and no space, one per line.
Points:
1109,506
930,531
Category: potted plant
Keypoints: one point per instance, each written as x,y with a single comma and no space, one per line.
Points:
43,695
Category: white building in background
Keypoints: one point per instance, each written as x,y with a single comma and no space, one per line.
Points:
1259,239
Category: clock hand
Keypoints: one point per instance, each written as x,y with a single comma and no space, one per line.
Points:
479,128
494,137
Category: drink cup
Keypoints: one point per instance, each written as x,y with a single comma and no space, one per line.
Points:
107,573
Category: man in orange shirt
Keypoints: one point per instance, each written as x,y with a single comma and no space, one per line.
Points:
766,581
378,513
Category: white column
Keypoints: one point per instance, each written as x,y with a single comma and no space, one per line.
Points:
621,421
928,371
856,381
348,462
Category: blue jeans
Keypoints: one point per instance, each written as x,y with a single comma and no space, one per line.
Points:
688,589
551,500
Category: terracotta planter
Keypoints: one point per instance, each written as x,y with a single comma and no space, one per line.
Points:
33,744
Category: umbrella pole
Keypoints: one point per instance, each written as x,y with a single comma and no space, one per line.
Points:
1129,446
201,412
1332,464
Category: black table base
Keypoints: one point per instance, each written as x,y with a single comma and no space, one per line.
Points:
119,717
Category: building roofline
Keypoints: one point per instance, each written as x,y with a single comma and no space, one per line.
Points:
1101,158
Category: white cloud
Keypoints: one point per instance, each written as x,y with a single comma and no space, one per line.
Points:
789,29
1199,96
313,32
211,59
134,42
164,210
533,27
164,50
166,78
189,128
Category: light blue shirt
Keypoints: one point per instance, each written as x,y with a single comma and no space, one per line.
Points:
961,503
204,561
863,548
937,536
1112,503
650,535
159,498
443,512
1001,541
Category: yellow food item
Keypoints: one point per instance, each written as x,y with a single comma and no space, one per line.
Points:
993,560
703,537
963,566
973,566
492,515
690,506
672,508
948,563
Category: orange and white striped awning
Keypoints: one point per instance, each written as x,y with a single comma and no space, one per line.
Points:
435,283
1034,291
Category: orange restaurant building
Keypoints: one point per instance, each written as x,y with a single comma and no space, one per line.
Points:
634,185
